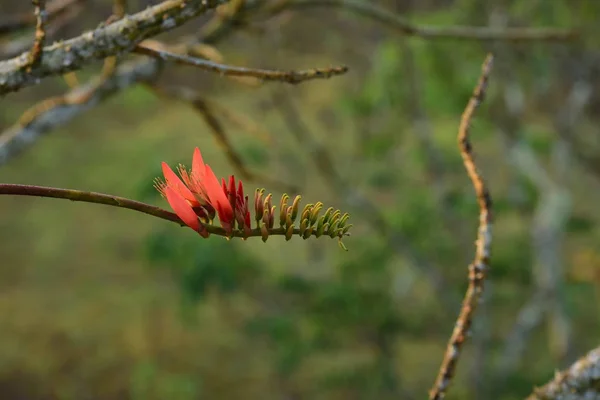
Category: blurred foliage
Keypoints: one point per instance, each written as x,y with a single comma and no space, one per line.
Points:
102,303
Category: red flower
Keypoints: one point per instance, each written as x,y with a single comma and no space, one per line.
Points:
197,195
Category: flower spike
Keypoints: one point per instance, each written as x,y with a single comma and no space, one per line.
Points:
197,196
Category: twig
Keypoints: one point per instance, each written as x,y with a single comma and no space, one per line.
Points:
119,8
23,21
292,77
370,10
35,55
121,202
109,66
477,269
111,40
14,47
354,198
54,112
580,381
202,106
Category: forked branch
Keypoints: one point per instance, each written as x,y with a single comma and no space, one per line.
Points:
479,266
114,39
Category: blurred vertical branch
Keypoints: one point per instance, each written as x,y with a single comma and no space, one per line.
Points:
324,163
548,227
549,220
478,268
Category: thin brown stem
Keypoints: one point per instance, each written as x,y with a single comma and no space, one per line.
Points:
35,55
120,8
87,197
205,109
479,266
324,162
394,21
122,202
292,77
23,21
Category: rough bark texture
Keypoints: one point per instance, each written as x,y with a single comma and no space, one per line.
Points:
111,40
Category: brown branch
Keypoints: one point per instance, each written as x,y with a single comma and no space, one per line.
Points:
88,197
111,40
14,47
478,269
205,110
52,113
148,209
23,21
369,10
35,55
323,161
120,8
580,381
292,77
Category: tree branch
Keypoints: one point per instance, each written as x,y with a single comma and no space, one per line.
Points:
580,381
17,22
54,112
55,23
394,21
148,209
292,77
323,161
205,109
478,269
35,54
111,40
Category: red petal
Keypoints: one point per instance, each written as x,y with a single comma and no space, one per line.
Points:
182,208
174,182
197,164
240,191
217,196
231,189
231,192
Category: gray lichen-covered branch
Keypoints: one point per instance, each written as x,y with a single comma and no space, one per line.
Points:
111,40
65,108
580,381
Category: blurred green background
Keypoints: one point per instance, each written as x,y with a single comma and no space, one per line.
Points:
103,303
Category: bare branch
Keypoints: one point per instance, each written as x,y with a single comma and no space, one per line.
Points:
40,35
111,40
23,21
204,108
394,21
54,112
581,381
50,114
292,77
120,8
354,198
14,47
121,202
477,269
